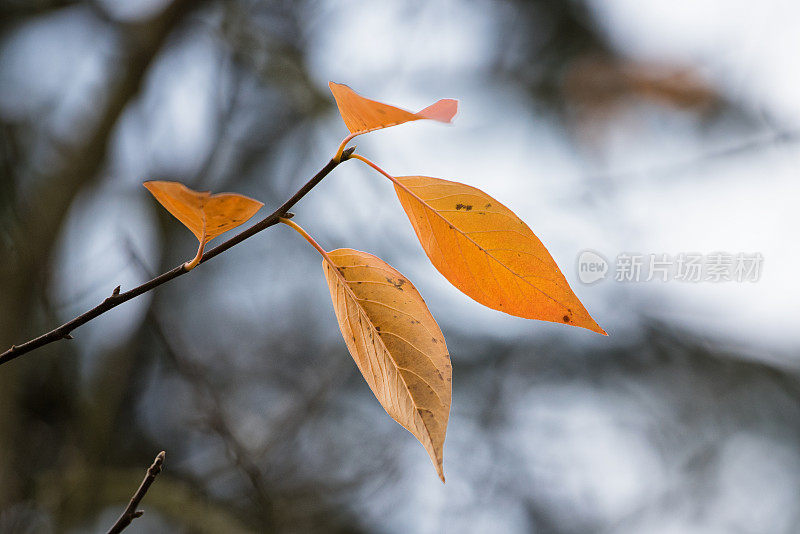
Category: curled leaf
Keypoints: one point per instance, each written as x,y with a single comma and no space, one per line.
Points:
363,115
206,215
395,342
488,252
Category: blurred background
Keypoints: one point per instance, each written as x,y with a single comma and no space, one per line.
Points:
617,126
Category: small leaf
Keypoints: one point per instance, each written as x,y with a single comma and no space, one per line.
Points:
487,252
206,215
395,342
363,115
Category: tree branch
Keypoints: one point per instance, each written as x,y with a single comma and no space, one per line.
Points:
131,512
117,298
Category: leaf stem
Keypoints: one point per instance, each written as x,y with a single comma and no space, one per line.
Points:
373,165
343,144
394,180
306,236
189,265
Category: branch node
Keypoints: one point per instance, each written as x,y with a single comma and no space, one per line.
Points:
68,336
116,291
346,154
287,215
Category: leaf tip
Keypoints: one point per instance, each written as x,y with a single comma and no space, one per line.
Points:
590,324
338,89
596,328
582,320
443,111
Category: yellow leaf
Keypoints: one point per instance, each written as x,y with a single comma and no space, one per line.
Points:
487,252
395,342
206,215
363,115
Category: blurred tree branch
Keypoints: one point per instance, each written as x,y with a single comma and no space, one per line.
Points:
216,418
13,11
31,219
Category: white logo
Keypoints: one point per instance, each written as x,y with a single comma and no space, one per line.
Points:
591,267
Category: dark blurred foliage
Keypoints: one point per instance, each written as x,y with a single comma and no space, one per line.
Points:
268,428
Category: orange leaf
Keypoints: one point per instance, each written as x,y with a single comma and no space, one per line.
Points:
206,215
362,115
487,252
395,342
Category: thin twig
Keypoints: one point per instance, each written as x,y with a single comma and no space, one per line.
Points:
63,331
131,512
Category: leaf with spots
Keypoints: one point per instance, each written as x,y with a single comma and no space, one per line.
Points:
206,215
362,115
487,252
395,342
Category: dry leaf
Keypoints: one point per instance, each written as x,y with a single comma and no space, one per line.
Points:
206,215
487,252
363,115
395,342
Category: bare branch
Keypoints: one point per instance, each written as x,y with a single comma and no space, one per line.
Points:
131,512
116,298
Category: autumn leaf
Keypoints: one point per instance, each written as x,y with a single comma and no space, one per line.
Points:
362,115
487,252
395,342
206,215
